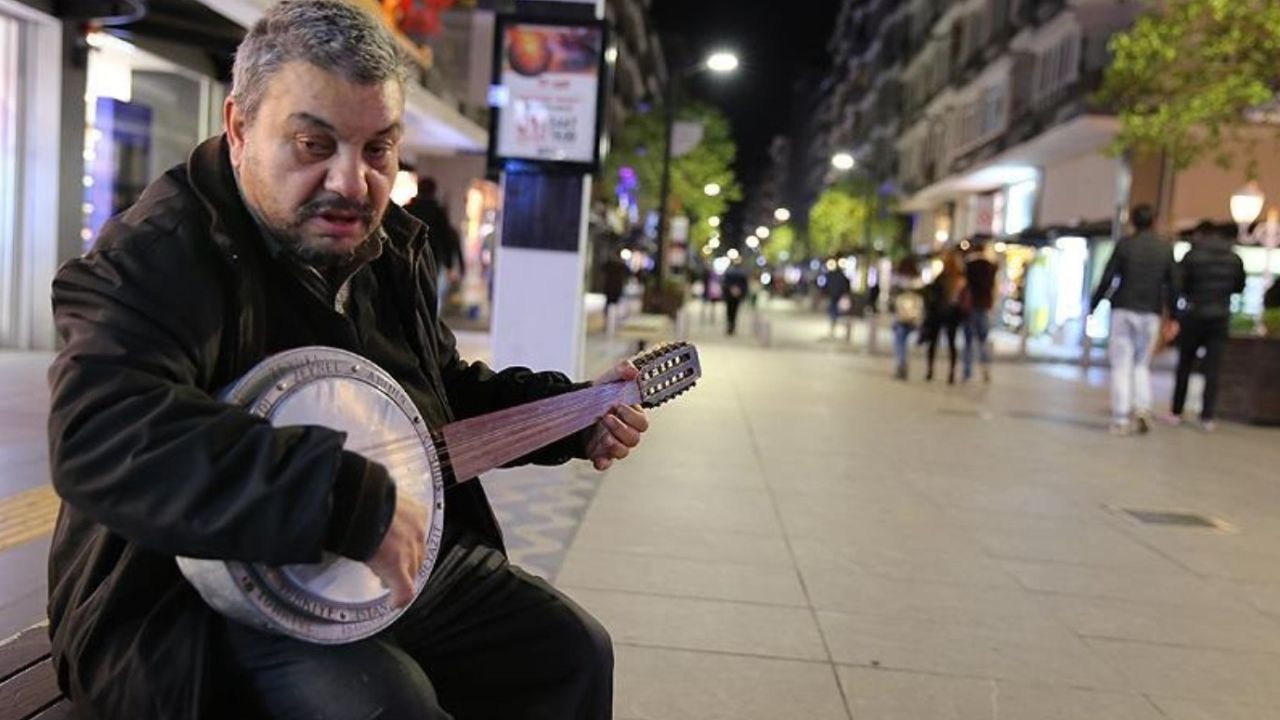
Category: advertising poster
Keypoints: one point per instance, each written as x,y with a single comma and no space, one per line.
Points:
549,80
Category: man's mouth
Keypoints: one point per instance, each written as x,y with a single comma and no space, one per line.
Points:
340,219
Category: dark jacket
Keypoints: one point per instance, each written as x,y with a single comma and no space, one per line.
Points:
1143,265
446,246
179,297
1210,274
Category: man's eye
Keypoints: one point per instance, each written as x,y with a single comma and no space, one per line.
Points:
315,147
379,152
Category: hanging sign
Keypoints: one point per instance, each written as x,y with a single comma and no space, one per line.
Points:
548,98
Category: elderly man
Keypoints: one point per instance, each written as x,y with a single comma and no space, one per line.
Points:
277,235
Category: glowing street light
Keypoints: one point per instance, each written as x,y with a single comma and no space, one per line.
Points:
722,61
711,189
732,254
762,231
753,242
713,243
713,221
1247,204
782,214
842,161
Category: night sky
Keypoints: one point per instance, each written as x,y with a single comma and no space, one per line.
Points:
776,42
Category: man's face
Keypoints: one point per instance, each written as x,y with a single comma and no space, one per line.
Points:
317,162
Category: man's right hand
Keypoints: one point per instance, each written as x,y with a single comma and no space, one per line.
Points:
403,550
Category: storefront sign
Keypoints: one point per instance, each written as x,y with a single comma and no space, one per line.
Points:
548,101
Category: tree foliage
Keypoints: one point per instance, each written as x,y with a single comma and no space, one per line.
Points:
1186,76
640,145
849,217
781,242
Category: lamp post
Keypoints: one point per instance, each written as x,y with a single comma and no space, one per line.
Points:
718,62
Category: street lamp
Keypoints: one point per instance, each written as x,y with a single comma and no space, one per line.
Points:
842,161
1246,205
713,221
762,231
711,189
753,242
722,61
719,62
782,215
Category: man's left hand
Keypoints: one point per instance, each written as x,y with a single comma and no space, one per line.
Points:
619,430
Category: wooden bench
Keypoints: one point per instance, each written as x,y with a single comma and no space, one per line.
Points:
28,685
647,329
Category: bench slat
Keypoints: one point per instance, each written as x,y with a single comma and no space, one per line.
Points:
23,651
28,692
61,711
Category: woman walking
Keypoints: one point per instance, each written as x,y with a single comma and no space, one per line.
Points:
947,300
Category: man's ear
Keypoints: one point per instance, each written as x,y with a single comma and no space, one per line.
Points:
234,122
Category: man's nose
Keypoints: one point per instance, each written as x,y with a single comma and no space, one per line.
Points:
347,176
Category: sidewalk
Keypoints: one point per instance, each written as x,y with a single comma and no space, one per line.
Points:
801,537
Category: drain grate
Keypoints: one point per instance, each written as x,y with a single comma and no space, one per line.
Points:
1165,517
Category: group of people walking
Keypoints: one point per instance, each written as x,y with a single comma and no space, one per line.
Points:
959,300
1153,300
1187,304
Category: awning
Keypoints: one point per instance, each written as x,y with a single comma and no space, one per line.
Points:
432,125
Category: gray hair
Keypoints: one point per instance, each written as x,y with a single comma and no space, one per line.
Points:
333,35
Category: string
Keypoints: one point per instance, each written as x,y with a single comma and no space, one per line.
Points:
574,409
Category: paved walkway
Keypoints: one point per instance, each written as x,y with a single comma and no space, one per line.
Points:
801,537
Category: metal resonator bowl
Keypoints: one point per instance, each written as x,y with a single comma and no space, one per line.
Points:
337,600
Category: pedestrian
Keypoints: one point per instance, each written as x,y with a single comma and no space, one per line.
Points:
1139,280
837,286
980,274
908,307
275,235
946,301
1209,275
616,275
735,288
446,244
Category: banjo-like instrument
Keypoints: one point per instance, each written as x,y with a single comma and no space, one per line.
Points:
340,600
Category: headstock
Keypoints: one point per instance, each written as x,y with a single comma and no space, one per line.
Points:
666,371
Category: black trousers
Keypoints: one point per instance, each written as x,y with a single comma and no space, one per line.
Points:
484,640
731,305
1196,333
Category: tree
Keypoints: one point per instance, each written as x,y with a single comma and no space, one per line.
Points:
640,146
1188,75
781,244
837,219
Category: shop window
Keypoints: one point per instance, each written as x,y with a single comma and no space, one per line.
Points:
143,115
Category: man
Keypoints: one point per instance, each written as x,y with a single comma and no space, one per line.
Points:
446,246
981,276
837,286
1139,280
276,235
736,288
1210,274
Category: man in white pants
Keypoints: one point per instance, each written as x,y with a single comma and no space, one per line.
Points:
1140,282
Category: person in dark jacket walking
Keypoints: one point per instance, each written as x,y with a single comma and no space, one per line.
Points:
1139,280
980,274
736,289
446,244
1210,274
274,236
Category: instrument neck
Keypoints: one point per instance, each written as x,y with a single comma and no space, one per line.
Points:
477,445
